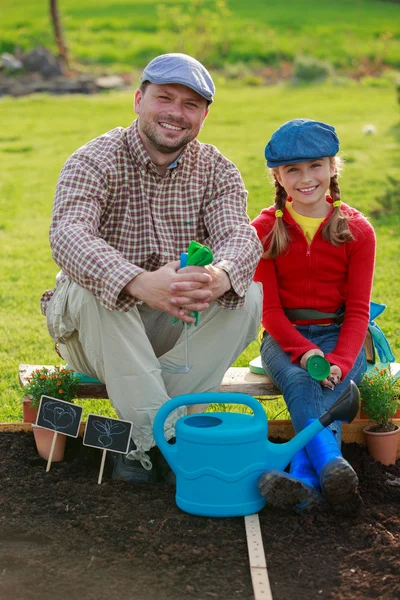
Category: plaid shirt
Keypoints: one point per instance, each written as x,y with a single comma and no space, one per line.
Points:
114,216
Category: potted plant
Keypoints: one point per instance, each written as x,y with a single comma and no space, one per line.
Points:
60,383
380,399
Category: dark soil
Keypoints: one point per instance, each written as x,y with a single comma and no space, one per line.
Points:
63,536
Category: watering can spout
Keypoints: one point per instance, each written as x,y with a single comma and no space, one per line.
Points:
344,409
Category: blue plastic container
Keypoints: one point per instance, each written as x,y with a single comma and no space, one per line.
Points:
219,456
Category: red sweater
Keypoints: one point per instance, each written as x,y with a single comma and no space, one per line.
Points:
319,276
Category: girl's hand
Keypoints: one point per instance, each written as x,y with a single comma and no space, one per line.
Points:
306,356
334,378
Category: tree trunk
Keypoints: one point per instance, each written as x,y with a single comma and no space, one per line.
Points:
62,48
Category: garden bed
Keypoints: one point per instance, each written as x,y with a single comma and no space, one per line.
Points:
64,536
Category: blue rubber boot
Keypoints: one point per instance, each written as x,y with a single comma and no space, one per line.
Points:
298,490
339,481
302,468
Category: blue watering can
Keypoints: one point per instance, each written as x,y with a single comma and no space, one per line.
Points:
218,457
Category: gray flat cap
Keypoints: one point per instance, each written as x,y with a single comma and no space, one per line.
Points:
183,69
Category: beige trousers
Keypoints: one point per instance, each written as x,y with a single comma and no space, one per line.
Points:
126,350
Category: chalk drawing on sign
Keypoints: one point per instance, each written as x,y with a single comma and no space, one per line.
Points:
59,417
108,429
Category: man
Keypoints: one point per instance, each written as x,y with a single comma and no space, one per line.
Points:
127,204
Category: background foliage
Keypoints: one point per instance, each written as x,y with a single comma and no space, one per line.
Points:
119,33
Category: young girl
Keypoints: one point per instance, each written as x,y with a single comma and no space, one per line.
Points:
316,271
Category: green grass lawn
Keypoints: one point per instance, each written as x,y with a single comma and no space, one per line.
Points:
38,133
120,34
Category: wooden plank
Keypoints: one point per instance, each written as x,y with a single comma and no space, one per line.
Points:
15,427
237,379
240,379
352,432
92,390
86,390
258,563
27,427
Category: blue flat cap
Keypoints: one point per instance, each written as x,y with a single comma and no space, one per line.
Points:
300,140
183,69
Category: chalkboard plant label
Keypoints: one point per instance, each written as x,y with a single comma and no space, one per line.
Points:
63,418
107,434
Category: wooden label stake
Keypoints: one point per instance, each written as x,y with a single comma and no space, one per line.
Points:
103,460
53,443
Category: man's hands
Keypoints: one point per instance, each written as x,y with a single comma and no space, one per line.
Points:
179,291
218,284
335,376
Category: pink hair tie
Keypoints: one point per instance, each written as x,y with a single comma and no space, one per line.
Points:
337,203
278,214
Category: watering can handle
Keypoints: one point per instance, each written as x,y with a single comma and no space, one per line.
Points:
201,398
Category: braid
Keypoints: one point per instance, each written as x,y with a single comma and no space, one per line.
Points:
337,231
334,188
280,196
278,237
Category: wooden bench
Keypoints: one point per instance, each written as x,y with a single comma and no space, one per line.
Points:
237,379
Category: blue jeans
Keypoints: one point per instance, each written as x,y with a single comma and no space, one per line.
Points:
304,396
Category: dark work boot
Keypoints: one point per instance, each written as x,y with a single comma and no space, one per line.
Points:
129,469
298,490
165,473
339,481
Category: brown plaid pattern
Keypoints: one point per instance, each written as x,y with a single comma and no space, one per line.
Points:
115,216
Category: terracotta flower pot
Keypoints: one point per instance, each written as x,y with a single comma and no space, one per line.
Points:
29,413
382,446
44,439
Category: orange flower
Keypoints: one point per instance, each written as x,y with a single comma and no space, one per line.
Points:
60,391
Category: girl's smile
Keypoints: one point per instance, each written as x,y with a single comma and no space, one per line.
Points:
308,190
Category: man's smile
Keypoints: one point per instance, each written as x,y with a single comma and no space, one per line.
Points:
171,127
